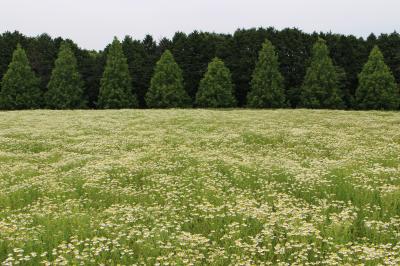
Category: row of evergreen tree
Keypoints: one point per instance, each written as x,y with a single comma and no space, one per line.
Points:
122,81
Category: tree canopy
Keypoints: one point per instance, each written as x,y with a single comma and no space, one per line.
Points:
116,83
377,88
267,88
320,88
216,87
166,86
65,88
20,86
303,82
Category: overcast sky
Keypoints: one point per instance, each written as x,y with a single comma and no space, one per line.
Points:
93,23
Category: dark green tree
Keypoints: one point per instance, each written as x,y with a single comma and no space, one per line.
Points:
266,90
293,49
91,65
166,86
151,57
216,87
390,48
321,84
116,83
194,52
42,52
19,86
8,42
377,87
243,53
137,59
349,54
65,88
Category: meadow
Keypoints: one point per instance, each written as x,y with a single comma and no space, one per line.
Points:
199,187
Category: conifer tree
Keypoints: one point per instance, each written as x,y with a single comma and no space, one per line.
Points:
65,88
166,86
267,89
19,86
116,83
216,87
321,84
377,87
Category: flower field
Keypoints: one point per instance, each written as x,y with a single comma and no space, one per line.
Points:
199,187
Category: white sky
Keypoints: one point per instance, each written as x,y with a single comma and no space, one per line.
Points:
93,23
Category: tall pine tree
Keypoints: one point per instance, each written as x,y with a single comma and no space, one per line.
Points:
216,88
138,62
166,86
377,87
19,86
321,84
116,83
267,89
65,88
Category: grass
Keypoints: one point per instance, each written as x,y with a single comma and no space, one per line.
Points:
199,187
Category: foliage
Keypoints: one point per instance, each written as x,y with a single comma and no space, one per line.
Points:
267,89
116,83
19,86
377,88
195,50
216,87
166,86
321,84
141,60
65,88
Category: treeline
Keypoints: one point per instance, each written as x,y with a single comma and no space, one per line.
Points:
259,68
